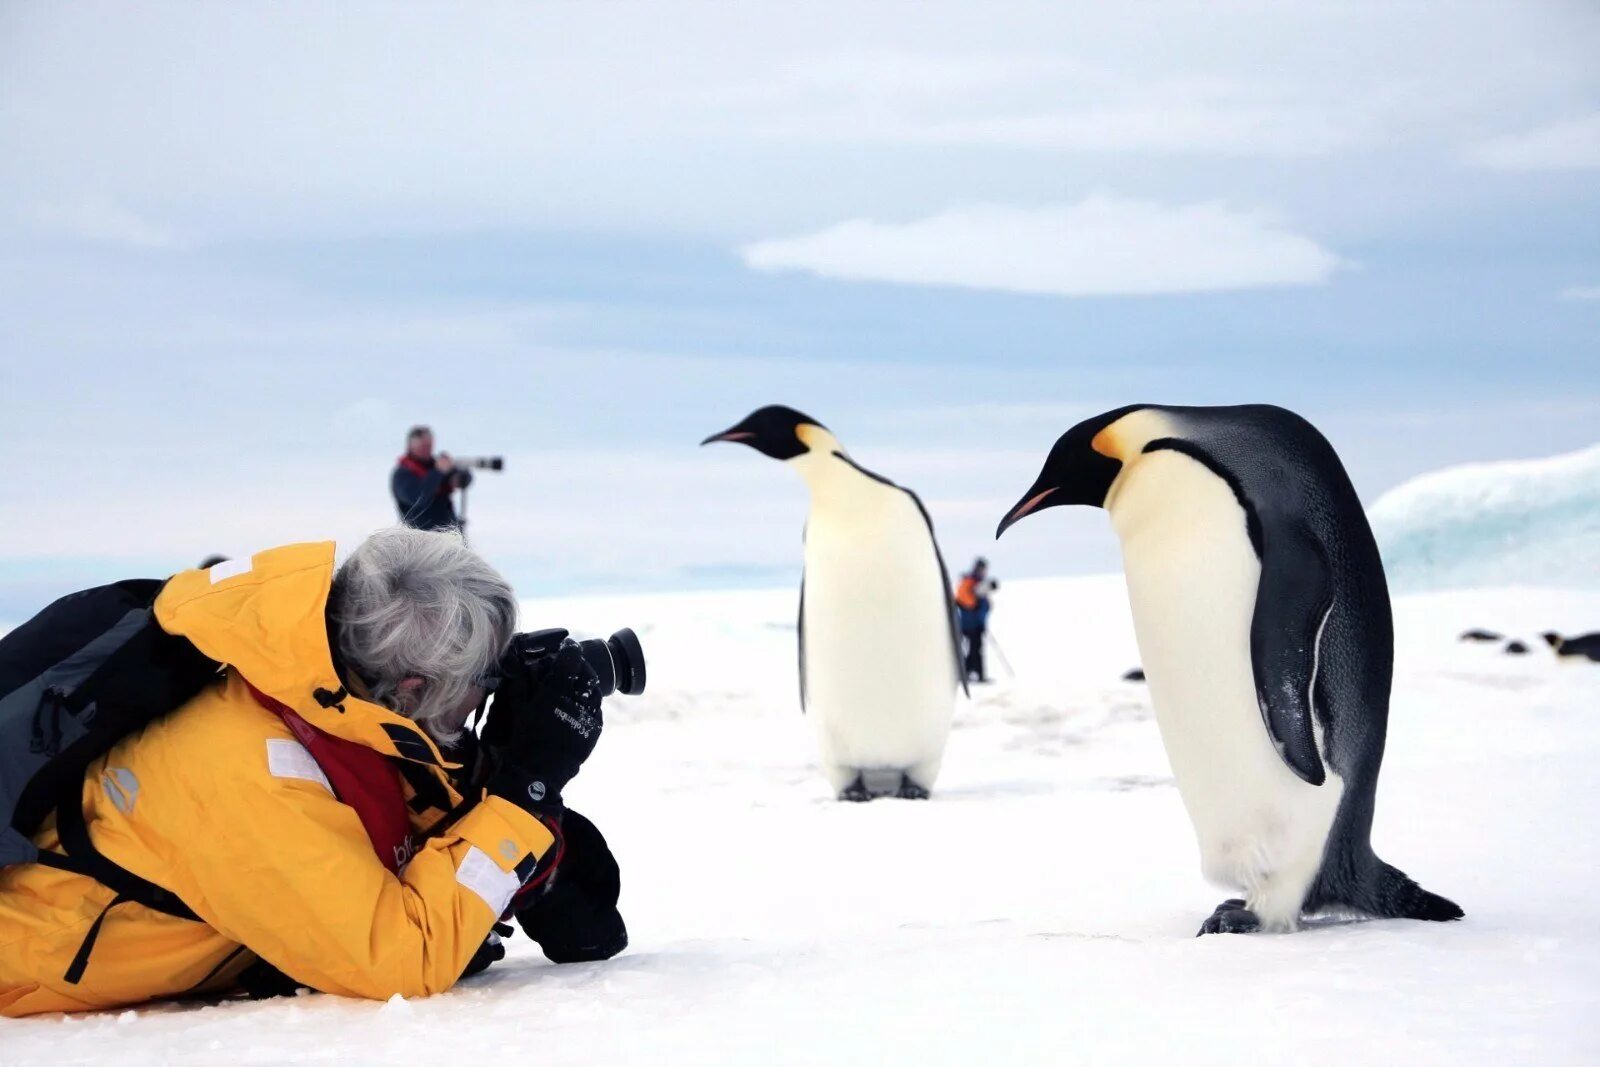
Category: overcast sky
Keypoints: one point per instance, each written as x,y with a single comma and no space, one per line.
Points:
244,246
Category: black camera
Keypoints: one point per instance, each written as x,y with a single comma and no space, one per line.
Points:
618,660
482,463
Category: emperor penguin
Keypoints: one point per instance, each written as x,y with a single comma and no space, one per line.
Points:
1584,646
879,654
1263,621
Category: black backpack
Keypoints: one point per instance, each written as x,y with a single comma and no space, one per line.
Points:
75,679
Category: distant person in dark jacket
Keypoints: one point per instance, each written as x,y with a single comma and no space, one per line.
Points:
422,483
972,607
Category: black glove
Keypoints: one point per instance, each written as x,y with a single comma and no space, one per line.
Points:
493,950
261,981
543,724
574,915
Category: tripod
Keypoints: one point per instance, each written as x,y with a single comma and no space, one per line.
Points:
998,651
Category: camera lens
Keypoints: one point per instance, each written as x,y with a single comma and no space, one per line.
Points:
619,662
628,656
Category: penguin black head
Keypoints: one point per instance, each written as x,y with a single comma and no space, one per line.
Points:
774,431
1079,470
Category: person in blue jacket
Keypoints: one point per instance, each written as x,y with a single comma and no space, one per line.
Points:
422,484
972,608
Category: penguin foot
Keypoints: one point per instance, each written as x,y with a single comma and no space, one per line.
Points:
910,790
1230,917
856,792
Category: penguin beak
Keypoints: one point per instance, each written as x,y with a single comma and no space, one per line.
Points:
1023,509
734,434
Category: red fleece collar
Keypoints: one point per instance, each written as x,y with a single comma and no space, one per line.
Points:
361,778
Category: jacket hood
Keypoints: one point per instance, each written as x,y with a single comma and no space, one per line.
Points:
265,617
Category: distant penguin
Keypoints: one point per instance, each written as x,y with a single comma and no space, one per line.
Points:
1481,636
879,657
1515,648
1263,620
1584,646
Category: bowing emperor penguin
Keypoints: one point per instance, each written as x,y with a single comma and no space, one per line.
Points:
879,655
1262,616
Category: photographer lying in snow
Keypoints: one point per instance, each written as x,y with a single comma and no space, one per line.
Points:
313,813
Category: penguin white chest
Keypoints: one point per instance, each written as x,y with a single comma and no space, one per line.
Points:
1192,578
879,666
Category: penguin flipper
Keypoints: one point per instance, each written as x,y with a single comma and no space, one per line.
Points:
1293,601
949,601
800,639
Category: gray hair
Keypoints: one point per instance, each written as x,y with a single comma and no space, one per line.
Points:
420,603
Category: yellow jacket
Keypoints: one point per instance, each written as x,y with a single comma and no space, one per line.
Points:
218,803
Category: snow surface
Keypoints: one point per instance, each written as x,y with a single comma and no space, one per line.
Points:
1040,909
1518,522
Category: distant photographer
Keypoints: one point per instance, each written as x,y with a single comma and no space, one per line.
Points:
422,483
974,597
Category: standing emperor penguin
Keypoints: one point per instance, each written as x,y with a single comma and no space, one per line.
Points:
1263,621
879,655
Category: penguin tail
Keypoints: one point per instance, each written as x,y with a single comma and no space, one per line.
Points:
1392,895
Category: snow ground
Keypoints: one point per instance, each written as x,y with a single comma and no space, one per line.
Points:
1040,909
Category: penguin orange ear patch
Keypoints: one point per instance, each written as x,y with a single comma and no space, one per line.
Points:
1105,442
805,432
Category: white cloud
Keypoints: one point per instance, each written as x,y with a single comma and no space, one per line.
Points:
101,221
1579,292
1100,246
1570,144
